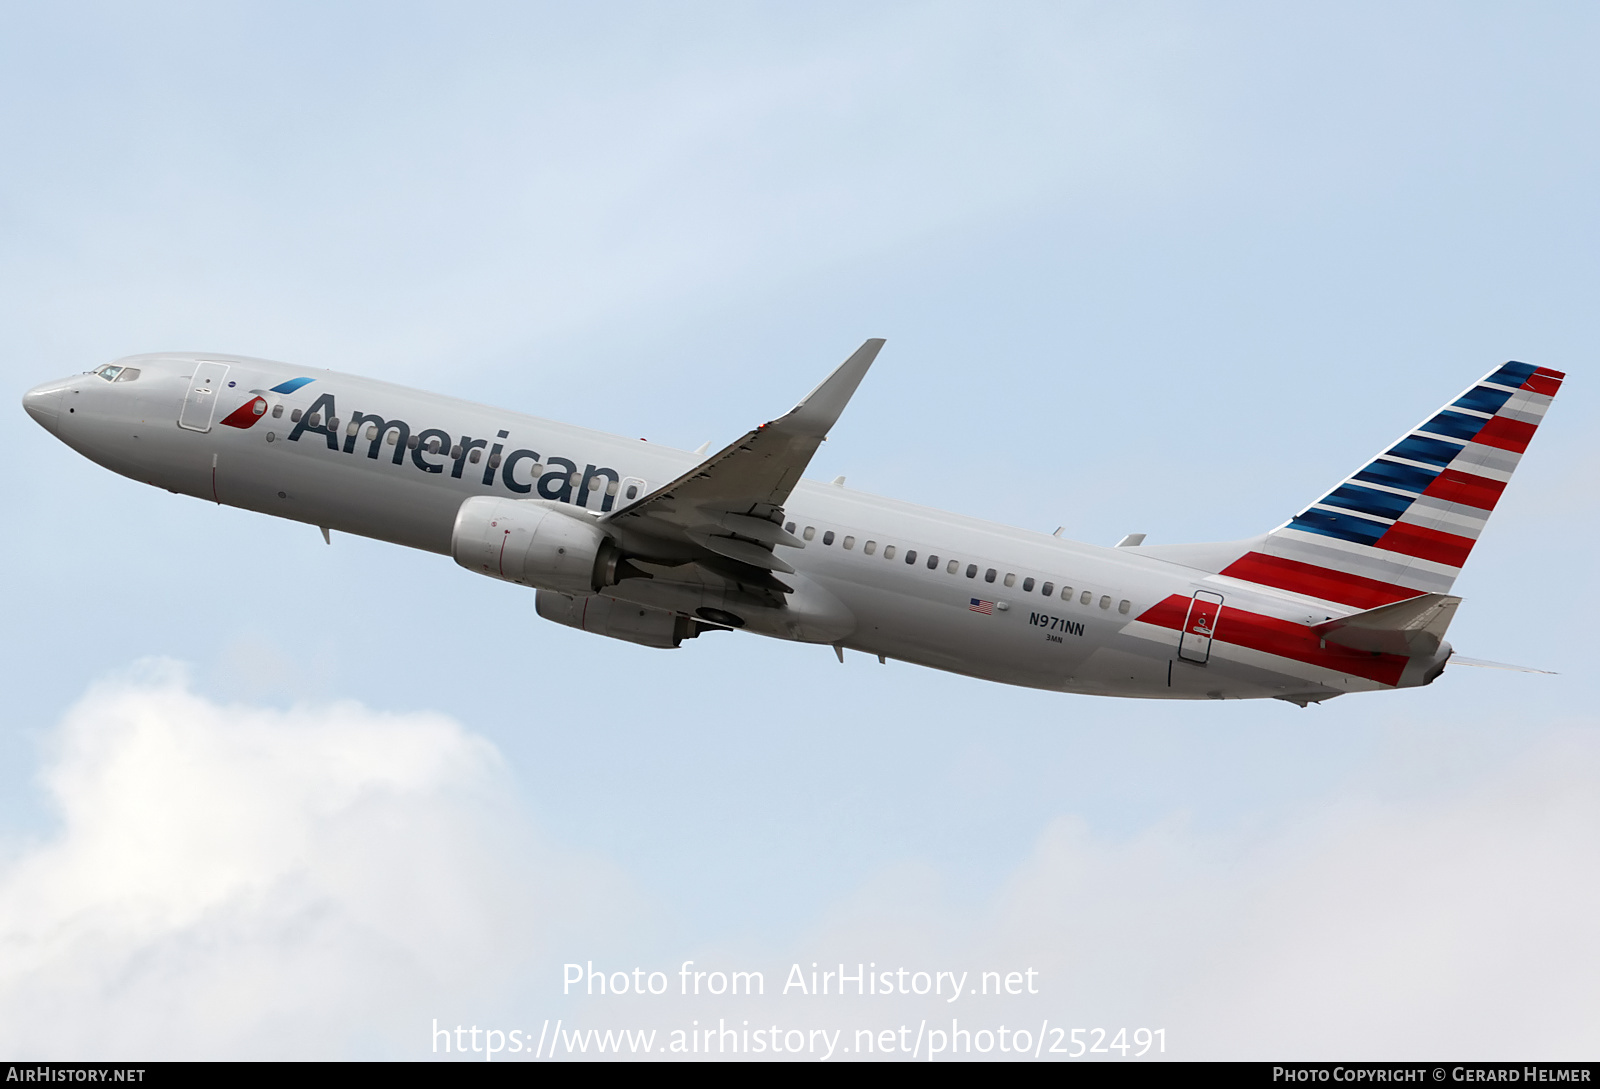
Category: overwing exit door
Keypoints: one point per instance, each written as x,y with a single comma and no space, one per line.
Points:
200,399
1200,627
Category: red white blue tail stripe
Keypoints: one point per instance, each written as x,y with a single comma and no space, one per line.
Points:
1405,522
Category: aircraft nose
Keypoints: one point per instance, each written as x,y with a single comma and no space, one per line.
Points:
44,404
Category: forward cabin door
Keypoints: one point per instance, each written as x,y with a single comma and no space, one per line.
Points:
200,400
1200,627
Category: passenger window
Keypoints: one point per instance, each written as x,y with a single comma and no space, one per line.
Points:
888,552
611,487
353,428
1105,601
633,492
455,451
849,543
870,547
411,443
988,576
315,420
933,563
277,412
477,455
372,432
952,567
1027,585
128,374
1123,606
1011,579
972,570
294,417
1047,589
1066,593
827,538
494,462
1086,598
333,423
789,528
911,556
810,533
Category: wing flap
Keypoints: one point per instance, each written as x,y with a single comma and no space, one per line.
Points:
744,551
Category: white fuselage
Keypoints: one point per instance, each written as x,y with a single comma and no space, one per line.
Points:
894,603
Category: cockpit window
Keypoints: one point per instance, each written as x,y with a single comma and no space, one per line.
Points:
108,372
128,374
113,373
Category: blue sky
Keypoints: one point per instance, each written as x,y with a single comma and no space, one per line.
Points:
1145,268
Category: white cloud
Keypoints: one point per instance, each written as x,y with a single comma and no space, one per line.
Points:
237,881
1411,926
1387,925
1464,928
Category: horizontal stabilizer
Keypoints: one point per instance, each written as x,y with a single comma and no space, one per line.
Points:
1413,628
1456,659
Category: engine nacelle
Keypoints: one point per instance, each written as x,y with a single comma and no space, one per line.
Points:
532,543
619,619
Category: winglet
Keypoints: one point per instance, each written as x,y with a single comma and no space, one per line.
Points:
819,409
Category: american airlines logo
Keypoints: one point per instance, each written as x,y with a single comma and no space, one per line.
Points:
432,449
245,416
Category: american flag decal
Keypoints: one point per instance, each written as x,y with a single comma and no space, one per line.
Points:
980,606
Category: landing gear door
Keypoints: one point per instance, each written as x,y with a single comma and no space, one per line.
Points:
200,399
1200,627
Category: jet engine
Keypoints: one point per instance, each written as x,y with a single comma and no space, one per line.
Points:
533,543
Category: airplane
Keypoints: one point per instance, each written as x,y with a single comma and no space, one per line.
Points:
645,543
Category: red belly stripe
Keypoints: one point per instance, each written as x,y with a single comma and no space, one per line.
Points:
1282,638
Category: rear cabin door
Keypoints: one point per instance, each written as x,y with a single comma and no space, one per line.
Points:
200,399
1200,627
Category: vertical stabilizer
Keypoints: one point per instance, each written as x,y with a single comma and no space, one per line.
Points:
1404,523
